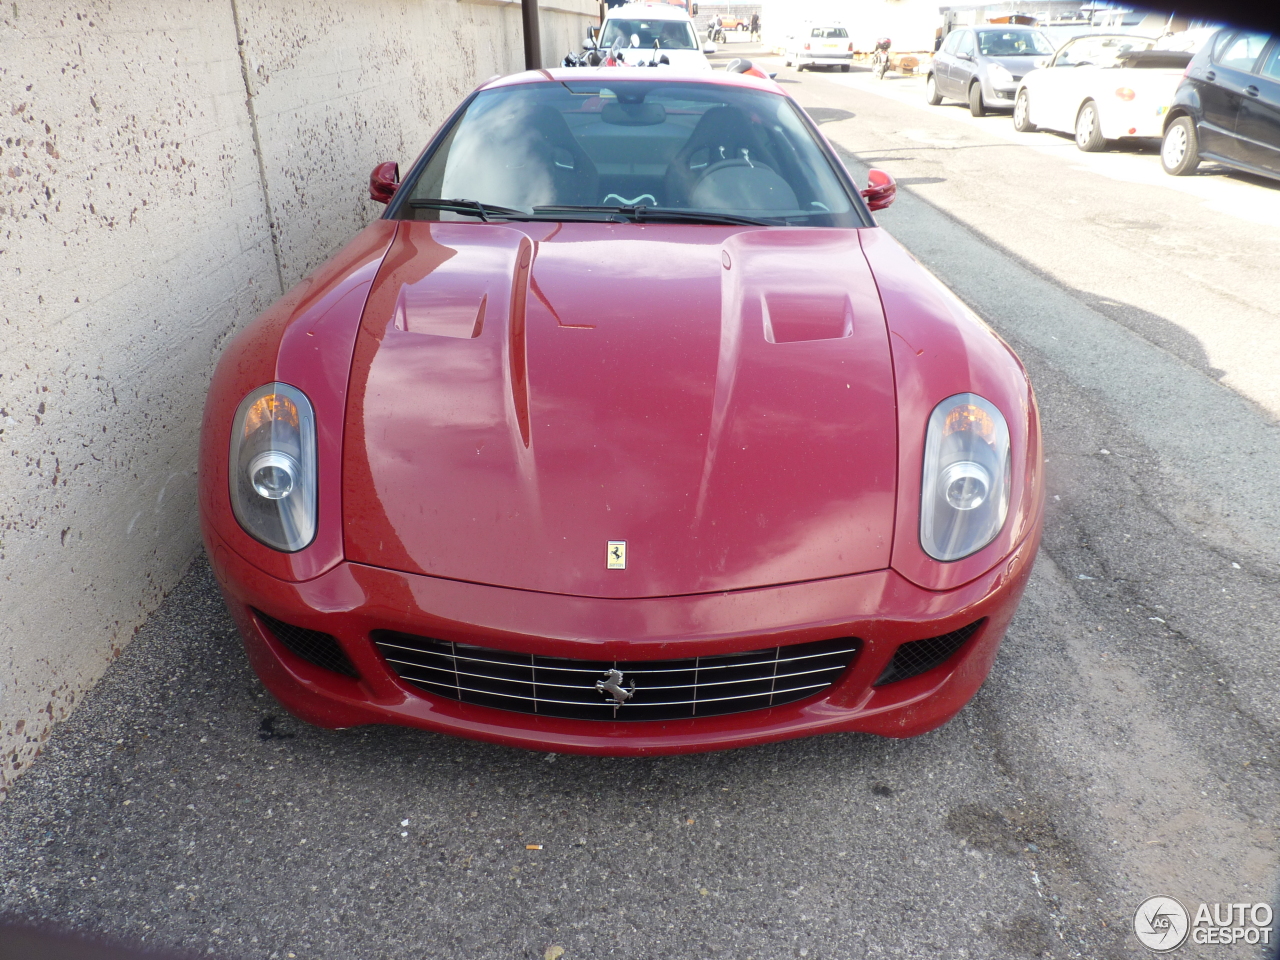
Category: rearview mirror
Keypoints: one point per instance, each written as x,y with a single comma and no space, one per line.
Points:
384,181
881,189
633,114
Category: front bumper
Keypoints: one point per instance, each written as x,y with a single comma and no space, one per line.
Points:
882,609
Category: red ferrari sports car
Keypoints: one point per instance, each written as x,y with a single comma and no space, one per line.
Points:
624,431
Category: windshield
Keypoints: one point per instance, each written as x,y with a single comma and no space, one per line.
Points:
1014,43
670,34
1101,51
621,145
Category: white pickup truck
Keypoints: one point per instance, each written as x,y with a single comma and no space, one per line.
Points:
1101,87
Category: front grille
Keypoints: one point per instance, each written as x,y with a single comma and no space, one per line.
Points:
311,645
663,689
917,656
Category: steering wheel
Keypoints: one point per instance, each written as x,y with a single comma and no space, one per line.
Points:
731,162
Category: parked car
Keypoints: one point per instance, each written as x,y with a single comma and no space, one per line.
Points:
1227,109
1101,87
625,430
820,46
637,26
983,65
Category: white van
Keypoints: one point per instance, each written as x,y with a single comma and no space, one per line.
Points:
638,25
825,45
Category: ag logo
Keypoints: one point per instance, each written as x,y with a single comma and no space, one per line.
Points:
1161,924
616,557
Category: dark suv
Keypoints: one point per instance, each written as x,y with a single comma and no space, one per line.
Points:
1227,107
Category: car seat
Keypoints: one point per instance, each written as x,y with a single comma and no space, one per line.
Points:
723,134
574,176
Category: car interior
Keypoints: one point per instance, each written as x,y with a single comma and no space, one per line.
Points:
670,34
621,148
1012,43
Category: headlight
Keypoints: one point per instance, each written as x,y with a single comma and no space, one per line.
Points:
272,470
999,75
964,492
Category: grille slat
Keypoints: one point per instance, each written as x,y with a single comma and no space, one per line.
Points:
918,656
664,689
659,703
579,686
386,645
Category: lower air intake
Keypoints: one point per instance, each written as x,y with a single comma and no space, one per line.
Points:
590,689
312,646
917,656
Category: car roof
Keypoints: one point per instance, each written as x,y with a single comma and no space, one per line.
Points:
683,75
650,11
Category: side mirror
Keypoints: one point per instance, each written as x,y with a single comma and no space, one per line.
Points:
590,42
881,189
384,181
635,40
708,49
694,11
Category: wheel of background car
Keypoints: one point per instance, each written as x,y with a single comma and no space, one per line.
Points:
1180,151
1022,113
931,91
1089,136
976,106
788,61
844,68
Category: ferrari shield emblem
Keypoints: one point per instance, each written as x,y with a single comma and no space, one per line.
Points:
616,559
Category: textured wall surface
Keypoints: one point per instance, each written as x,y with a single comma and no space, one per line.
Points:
167,168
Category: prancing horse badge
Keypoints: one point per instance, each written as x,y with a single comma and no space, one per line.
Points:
616,559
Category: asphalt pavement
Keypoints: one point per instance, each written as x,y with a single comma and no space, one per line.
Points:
1124,746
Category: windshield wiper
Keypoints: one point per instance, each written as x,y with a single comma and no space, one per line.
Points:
481,210
640,213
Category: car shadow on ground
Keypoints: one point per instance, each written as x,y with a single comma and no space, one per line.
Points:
823,115
182,805
1152,327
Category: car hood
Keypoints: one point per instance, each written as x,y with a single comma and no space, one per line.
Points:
721,399
1018,66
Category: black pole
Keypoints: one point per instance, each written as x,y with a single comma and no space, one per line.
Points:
532,37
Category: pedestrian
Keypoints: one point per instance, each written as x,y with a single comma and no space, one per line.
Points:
755,26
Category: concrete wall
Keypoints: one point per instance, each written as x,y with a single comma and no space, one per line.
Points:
167,168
